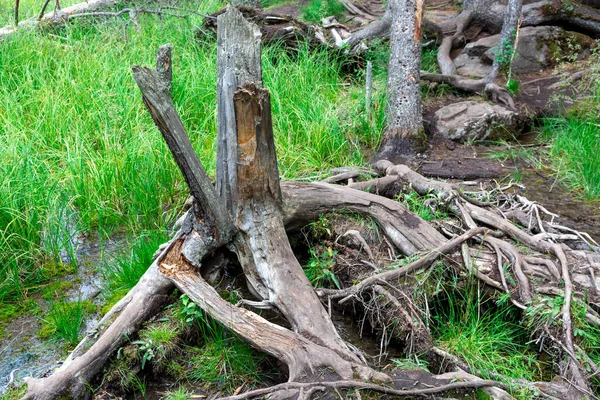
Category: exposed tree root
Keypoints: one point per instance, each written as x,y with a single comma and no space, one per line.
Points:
384,277
295,388
471,215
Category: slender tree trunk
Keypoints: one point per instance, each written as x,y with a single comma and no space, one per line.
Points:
17,12
508,37
404,134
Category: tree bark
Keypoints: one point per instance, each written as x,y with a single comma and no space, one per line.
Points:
404,132
508,37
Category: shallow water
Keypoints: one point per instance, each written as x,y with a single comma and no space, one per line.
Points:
21,350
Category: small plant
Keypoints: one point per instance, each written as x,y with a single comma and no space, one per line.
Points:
318,270
189,311
423,206
225,364
410,363
544,313
318,9
321,228
157,344
512,86
181,393
65,320
506,50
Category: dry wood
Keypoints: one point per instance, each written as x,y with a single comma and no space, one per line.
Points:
55,16
304,202
158,102
294,388
300,354
383,277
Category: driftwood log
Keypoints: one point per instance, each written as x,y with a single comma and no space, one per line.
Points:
251,211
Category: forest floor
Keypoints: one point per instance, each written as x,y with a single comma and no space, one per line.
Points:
88,191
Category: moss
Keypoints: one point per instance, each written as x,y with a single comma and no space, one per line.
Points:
56,290
567,46
418,141
46,331
9,312
57,270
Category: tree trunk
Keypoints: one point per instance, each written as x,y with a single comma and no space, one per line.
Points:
404,133
508,37
250,182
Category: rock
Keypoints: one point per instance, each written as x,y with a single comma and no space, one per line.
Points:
538,47
478,120
471,66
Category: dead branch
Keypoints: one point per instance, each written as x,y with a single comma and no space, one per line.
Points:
449,246
349,384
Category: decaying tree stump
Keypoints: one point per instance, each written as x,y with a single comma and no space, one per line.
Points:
250,211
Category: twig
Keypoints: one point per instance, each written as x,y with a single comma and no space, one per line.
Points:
368,89
395,274
43,11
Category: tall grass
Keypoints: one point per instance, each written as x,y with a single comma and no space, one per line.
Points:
65,320
75,137
575,148
575,138
487,336
123,271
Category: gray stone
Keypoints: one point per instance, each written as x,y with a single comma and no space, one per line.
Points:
478,120
471,66
538,47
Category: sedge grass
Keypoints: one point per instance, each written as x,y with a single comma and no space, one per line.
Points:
487,336
74,134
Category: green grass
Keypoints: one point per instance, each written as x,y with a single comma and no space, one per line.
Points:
487,336
575,148
222,361
158,343
65,320
181,393
225,364
77,143
123,271
418,205
315,10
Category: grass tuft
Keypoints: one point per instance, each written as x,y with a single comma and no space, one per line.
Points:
122,272
315,10
65,320
488,337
